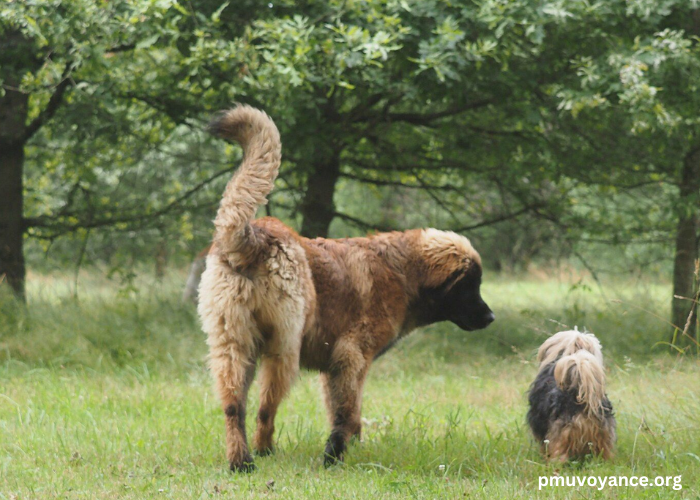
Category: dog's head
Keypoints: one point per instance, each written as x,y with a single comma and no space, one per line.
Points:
566,343
452,287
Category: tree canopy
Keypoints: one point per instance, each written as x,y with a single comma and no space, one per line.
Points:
536,128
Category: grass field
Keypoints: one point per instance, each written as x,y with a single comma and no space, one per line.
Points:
109,397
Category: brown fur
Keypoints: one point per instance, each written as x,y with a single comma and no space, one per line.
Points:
329,305
583,435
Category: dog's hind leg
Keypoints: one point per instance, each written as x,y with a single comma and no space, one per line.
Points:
233,373
276,376
343,386
225,307
233,347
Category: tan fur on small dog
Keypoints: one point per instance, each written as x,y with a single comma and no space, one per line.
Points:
584,372
330,305
568,342
581,436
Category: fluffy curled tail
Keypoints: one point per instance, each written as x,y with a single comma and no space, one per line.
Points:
583,372
254,179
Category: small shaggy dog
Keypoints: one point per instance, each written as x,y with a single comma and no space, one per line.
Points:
329,305
570,414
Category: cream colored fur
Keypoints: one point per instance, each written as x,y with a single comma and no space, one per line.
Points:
250,185
568,342
584,372
445,252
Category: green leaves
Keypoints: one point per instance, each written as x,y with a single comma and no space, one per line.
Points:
147,42
480,109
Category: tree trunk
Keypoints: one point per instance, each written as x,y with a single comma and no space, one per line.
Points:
13,113
318,208
161,259
684,310
17,57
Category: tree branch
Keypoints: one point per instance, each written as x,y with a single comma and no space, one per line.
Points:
125,47
46,222
383,182
54,103
171,108
427,118
359,112
489,222
500,218
507,133
360,223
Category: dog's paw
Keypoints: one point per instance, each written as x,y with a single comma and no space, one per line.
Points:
244,465
333,454
264,452
331,460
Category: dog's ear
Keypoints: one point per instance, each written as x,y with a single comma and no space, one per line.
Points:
582,372
543,353
444,254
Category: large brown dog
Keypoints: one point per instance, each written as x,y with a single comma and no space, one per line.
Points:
328,305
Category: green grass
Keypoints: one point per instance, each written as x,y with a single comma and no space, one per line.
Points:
109,397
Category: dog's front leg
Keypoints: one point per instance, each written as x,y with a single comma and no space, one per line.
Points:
343,391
